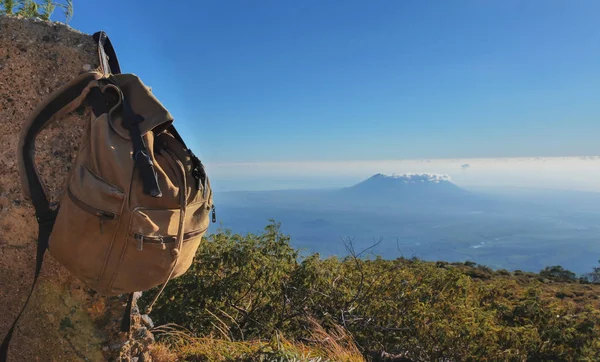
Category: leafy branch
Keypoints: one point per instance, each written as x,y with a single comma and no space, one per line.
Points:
36,9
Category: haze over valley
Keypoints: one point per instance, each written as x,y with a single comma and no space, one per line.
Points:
431,217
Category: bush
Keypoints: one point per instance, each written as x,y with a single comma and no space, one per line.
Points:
593,276
557,273
503,272
255,286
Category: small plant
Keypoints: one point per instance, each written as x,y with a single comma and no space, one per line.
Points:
7,6
36,9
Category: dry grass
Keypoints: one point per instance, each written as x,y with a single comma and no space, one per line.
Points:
335,345
179,344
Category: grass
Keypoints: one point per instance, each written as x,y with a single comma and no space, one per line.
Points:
177,343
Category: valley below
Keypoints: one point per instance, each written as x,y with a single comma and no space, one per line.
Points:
429,217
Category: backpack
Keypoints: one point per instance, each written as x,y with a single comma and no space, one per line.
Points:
137,202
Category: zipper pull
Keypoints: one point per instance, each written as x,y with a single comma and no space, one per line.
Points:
214,214
140,240
103,215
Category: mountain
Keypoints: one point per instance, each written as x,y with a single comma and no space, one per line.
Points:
395,191
406,190
428,216
405,182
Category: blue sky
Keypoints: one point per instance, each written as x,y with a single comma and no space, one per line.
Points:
260,81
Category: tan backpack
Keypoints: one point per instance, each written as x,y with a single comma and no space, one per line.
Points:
137,202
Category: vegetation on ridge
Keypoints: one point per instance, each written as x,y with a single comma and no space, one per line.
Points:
253,287
32,9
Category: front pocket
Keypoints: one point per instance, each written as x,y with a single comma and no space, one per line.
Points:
153,249
86,225
163,241
102,214
95,192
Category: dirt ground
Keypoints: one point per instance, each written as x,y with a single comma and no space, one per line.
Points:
64,321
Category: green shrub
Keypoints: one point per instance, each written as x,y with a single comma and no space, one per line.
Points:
558,273
503,272
254,286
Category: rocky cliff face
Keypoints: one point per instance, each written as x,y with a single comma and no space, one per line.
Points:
64,321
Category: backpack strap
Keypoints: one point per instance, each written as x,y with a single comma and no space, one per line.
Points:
61,102
110,65
108,58
126,320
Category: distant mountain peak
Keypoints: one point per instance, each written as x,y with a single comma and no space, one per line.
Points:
421,187
413,178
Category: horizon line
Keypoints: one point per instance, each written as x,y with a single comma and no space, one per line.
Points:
449,159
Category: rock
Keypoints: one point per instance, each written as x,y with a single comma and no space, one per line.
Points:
147,321
142,334
117,346
37,57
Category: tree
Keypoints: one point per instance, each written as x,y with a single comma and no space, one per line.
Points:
594,276
31,9
558,273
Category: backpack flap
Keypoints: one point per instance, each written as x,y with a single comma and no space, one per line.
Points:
137,113
154,116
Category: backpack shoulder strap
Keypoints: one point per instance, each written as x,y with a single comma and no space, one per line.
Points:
109,63
60,103
63,101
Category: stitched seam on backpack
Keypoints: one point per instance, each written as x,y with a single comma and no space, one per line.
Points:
101,179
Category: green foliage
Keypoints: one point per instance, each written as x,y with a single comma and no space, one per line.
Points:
557,273
31,9
503,272
47,9
254,286
594,276
7,6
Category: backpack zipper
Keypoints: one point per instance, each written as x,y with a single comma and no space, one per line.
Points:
163,240
89,208
181,229
101,214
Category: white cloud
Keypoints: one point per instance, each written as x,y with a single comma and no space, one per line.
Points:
411,178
